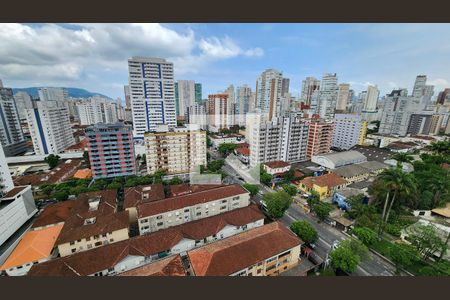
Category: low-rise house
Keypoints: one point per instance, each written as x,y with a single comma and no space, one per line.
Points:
170,266
352,173
403,147
137,195
243,154
276,168
374,167
165,213
341,197
138,251
338,159
324,185
36,246
263,251
218,140
54,214
83,174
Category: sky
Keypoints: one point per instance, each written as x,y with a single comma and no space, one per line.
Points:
94,56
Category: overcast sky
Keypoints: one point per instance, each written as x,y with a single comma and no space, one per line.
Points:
94,56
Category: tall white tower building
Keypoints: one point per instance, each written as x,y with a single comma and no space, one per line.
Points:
309,86
343,97
186,96
328,95
268,93
370,99
152,94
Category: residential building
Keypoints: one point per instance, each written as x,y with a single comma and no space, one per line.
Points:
17,206
268,93
198,92
97,110
220,112
185,91
12,138
274,249
177,150
276,167
126,90
49,126
370,99
341,198
170,266
35,247
422,90
284,86
328,95
157,215
310,85
324,185
93,222
349,130
353,173
146,251
443,96
343,97
111,150
320,137
218,140
243,98
284,138
339,159
6,182
152,94
196,114
23,102
134,196
53,94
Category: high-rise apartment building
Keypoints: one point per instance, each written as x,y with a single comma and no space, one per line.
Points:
11,135
284,86
196,114
370,99
198,92
97,110
309,86
443,96
426,122
328,95
23,102
126,90
53,93
243,98
422,90
111,150
268,93
49,126
219,110
349,130
179,150
284,138
6,182
320,137
185,92
152,94
343,97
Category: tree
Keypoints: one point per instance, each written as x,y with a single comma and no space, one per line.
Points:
52,160
365,235
289,176
426,239
290,189
61,195
440,147
347,255
47,189
226,148
322,210
86,159
158,175
305,231
277,203
175,180
216,165
265,177
403,255
114,186
396,182
402,158
252,188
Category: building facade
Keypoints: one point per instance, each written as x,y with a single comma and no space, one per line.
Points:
343,97
177,150
370,99
268,93
349,130
97,110
328,95
219,109
152,94
11,135
185,96
310,85
111,150
320,137
49,126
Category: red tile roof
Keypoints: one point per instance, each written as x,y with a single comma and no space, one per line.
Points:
330,180
179,202
183,189
243,151
277,164
144,193
242,145
16,190
54,214
170,266
235,253
95,260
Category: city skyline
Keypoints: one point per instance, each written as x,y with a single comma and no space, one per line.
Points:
94,56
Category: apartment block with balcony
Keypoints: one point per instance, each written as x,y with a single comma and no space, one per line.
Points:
349,130
111,150
320,137
179,150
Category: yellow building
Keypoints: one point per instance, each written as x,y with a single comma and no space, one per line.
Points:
324,185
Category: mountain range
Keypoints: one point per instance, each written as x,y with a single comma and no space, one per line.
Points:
73,92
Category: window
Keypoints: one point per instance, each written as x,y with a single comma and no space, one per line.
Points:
224,201
73,250
71,243
159,224
144,221
186,210
199,213
159,217
223,207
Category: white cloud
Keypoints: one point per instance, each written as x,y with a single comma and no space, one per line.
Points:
58,53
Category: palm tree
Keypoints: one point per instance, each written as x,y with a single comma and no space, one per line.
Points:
397,182
440,147
402,157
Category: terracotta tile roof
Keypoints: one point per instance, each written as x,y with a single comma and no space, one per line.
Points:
146,245
235,253
54,214
329,180
34,246
83,174
243,151
183,189
178,202
443,211
141,194
63,171
170,266
242,145
277,164
81,146
14,191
